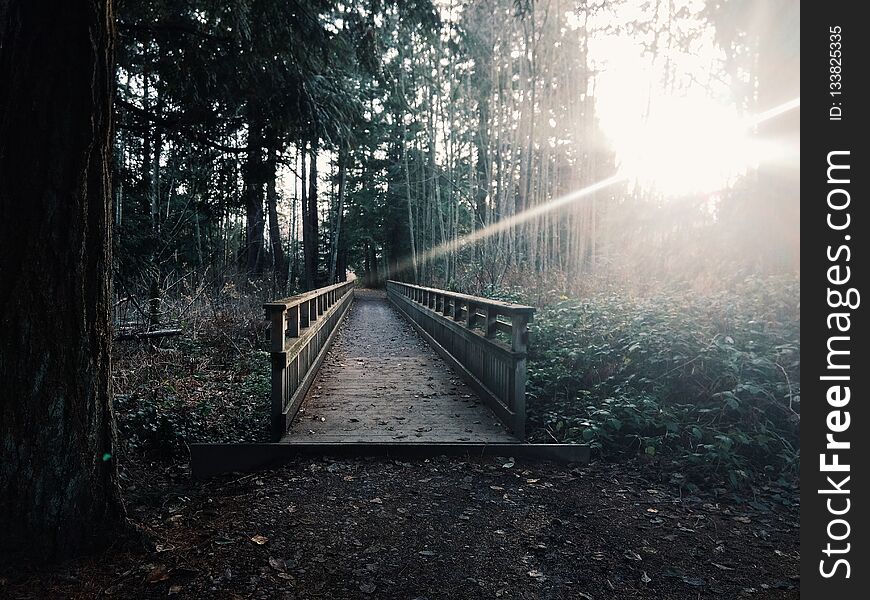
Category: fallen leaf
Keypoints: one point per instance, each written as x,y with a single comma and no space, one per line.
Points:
174,589
645,578
259,540
157,574
536,574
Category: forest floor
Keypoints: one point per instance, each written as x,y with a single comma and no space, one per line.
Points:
444,528
435,529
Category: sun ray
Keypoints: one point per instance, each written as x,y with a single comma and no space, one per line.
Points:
566,199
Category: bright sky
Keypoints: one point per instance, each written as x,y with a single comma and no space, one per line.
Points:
672,121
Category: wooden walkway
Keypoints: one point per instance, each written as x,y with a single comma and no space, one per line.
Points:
381,382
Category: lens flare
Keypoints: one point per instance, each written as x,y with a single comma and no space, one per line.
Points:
692,146
668,153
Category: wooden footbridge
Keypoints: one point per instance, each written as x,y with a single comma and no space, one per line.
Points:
409,371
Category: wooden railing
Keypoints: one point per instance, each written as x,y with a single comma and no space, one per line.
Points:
483,340
301,329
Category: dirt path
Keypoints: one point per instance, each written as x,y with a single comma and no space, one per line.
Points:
441,529
382,382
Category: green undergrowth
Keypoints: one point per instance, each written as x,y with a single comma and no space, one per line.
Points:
707,386
209,385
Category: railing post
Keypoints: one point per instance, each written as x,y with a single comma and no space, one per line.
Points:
276,328
279,364
519,344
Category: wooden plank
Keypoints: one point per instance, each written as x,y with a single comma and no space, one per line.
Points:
494,403
383,382
311,365
497,373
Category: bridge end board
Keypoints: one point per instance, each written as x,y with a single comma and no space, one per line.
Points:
208,460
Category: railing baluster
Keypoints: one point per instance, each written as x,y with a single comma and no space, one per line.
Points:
490,320
457,309
471,317
293,321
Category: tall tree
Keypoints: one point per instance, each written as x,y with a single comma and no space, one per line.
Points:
58,480
279,266
254,180
310,229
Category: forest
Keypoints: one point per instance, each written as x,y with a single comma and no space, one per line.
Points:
403,140
627,167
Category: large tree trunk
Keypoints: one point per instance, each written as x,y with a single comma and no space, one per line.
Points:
58,479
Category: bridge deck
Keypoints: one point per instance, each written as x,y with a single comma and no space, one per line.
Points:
382,383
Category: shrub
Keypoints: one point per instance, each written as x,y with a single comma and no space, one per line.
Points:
707,384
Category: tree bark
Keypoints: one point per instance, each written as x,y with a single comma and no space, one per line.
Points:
339,213
58,479
309,222
279,267
253,175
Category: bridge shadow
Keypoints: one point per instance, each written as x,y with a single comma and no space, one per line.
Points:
381,382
